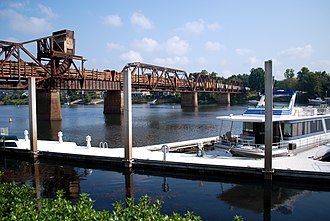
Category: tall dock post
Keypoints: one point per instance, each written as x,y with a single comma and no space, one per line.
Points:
128,117
33,116
268,171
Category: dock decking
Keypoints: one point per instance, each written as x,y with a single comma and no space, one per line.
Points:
300,166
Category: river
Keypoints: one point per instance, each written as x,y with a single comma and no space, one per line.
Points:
212,198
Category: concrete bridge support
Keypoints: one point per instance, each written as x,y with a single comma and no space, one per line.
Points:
222,98
189,99
113,102
49,105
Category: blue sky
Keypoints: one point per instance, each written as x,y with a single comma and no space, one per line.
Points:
227,37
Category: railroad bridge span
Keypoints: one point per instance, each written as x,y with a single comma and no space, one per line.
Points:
56,67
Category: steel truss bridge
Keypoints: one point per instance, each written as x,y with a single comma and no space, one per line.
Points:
56,67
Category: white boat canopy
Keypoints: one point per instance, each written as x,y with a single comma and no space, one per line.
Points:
261,118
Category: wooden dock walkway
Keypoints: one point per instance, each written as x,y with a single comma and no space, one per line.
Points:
302,166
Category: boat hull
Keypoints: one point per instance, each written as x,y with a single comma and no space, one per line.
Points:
253,152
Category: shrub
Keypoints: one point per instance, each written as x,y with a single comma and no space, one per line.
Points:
19,203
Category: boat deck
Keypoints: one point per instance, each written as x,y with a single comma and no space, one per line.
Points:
303,165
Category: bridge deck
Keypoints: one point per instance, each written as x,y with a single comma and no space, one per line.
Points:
14,75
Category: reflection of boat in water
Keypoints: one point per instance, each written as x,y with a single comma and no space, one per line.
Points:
317,101
281,199
152,102
295,129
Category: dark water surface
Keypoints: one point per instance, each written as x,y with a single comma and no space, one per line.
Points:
212,198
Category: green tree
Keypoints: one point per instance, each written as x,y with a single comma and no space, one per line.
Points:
309,82
257,79
289,84
204,72
325,83
289,73
214,74
244,78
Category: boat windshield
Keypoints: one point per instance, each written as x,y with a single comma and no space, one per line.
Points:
257,131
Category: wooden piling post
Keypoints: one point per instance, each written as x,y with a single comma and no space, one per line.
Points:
33,116
128,117
268,170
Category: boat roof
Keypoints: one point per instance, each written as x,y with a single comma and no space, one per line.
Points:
285,113
275,118
283,92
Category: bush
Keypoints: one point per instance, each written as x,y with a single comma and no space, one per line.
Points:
18,203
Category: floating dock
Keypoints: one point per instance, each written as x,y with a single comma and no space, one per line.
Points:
301,166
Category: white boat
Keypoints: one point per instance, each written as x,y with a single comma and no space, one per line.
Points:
152,102
8,141
295,129
317,101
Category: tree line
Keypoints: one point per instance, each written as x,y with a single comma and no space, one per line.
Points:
311,84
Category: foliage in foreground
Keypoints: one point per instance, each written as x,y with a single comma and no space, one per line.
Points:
18,203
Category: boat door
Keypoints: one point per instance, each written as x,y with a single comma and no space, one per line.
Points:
259,132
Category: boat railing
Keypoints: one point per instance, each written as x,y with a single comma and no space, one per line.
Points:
323,109
312,111
311,142
276,145
244,140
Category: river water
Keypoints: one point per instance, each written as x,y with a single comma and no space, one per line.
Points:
212,198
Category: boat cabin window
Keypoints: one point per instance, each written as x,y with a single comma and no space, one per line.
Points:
327,123
248,127
287,130
256,130
302,128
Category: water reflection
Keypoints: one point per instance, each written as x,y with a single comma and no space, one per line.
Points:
261,198
165,185
46,178
190,109
114,119
48,130
128,173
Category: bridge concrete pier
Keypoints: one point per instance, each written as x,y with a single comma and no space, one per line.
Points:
49,105
113,102
222,98
189,99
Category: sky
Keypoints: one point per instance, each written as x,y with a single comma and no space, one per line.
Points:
223,36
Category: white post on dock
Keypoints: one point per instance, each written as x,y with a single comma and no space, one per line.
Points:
128,117
33,116
268,170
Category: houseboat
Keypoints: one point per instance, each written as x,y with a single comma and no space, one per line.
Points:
295,129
